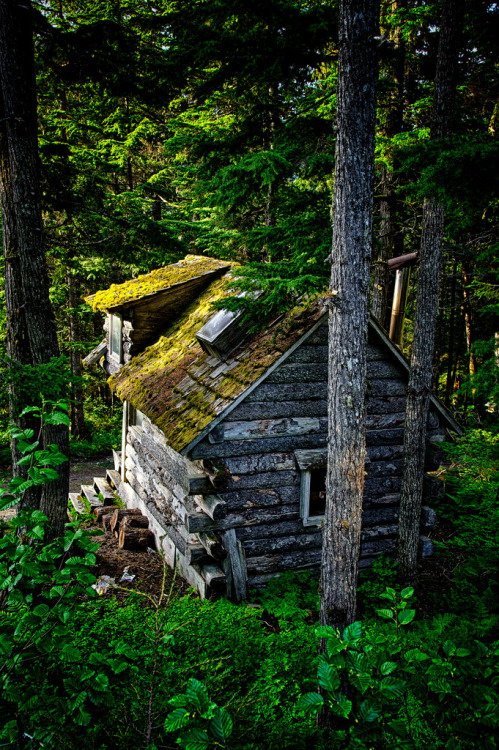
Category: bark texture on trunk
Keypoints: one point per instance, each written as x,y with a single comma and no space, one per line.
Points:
348,319
21,211
423,346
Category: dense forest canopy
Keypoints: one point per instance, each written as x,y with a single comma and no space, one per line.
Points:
168,128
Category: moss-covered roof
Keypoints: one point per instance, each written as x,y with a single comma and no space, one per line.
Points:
181,388
120,295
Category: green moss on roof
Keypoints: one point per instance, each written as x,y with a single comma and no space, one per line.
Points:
160,280
181,388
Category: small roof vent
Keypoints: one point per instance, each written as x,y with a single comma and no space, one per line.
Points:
223,332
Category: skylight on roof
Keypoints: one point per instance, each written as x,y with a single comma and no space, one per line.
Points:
217,325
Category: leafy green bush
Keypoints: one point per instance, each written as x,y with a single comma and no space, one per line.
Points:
394,690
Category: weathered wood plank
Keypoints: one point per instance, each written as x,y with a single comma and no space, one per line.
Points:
212,545
383,468
261,498
117,460
385,437
275,409
96,354
261,462
308,354
237,559
77,504
201,522
383,369
386,387
381,485
263,480
113,477
288,392
266,428
384,421
428,517
102,487
385,404
384,452
205,449
298,373
154,441
262,546
88,491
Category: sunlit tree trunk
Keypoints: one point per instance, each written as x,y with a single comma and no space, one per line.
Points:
349,308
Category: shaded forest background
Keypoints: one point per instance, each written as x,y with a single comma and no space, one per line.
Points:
208,127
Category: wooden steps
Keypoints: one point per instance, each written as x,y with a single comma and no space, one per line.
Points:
89,492
114,478
103,488
77,502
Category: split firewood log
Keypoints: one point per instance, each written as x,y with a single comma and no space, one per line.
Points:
120,513
103,510
134,522
135,539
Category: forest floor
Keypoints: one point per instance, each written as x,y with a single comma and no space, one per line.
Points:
146,567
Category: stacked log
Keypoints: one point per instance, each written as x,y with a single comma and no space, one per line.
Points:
135,539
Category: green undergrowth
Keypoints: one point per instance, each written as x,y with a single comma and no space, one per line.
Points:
120,676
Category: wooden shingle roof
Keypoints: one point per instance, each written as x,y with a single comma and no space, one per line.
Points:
182,389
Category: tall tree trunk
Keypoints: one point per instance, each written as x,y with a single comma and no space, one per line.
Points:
78,427
392,124
21,207
348,317
427,304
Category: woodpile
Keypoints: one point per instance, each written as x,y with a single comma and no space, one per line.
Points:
128,525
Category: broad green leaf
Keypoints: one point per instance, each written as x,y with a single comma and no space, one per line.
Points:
360,680
327,677
462,652
221,724
196,739
386,613
343,705
449,648
388,667
57,417
198,695
406,616
407,593
310,702
394,687
415,655
352,633
101,682
367,712
176,720
41,610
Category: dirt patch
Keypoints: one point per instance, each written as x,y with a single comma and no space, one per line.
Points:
147,567
83,472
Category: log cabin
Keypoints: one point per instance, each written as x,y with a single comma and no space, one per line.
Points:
225,430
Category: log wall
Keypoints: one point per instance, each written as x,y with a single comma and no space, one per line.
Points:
252,452
228,515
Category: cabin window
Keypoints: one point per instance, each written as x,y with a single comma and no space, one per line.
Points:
139,418
313,485
115,337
